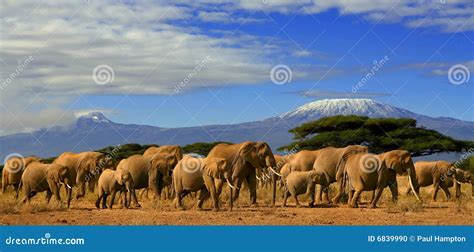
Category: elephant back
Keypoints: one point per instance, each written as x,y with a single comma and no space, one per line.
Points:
138,166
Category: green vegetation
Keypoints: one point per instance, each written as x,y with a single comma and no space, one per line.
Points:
380,134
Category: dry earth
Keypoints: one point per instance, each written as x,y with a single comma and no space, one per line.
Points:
407,211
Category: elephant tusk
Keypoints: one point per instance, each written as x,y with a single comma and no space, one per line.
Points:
411,185
68,186
458,182
271,169
258,178
230,185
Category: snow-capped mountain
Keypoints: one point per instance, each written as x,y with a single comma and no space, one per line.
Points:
94,131
330,107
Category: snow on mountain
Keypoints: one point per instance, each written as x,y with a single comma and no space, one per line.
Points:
331,107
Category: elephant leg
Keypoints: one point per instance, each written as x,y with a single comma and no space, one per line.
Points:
435,191
203,195
180,199
104,201
286,194
112,199
378,193
4,183
446,191
252,183
373,197
310,192
295,196
394,190
457,190
17,191
211,187
238,183
69,196
48,196
325,194
97,202
134,199
319,191
219,184
351,194
355,199
337,197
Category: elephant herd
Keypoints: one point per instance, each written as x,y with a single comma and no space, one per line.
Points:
352,168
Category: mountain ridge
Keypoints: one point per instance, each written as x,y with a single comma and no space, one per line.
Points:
94,130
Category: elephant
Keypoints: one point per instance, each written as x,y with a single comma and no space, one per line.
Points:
331,162
148,172
82,166
110,182
440,174
245,158
39,177
165,150
13,169
193,174
367,172
299,182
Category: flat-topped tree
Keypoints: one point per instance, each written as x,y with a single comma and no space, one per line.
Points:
379,134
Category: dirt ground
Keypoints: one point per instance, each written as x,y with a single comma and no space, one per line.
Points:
407,211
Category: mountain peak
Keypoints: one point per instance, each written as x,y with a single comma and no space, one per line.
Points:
94,116
332,107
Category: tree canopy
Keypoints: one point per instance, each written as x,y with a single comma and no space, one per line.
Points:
379,134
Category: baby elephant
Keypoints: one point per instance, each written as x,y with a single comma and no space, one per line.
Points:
300,182
111,182
39,177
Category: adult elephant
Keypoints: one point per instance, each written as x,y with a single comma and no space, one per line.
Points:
368,172
245,158
13,169
200,174
82,166
148,172
165,150
331,162
39,177
440,174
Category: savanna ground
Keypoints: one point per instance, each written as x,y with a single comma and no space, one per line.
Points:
407,211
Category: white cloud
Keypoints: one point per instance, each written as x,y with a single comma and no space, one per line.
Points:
152,46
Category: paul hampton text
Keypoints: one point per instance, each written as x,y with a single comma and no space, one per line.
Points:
416,238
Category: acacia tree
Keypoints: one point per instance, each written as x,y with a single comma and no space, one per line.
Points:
379,134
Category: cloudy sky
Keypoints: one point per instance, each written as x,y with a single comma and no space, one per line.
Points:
187,63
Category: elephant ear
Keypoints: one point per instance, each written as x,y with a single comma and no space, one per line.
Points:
211,168
54,173
119,177
170,163
239,158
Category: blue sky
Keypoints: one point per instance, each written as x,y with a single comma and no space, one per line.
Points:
224,52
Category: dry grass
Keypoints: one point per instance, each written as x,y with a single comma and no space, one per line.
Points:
406,211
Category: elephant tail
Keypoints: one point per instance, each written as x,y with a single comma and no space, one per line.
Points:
20,185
